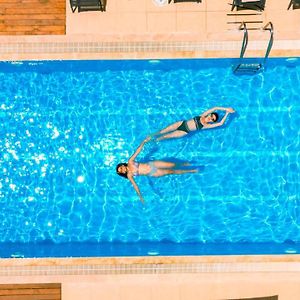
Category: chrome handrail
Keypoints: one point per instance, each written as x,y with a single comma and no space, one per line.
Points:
271,29
245,39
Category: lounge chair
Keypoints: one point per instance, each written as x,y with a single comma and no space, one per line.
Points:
90,5
295,4
259,298
87,5
248,4
175,1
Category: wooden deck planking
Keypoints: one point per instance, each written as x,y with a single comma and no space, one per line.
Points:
43,291
32,17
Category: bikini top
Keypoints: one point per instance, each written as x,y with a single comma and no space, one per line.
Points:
198,122
136,165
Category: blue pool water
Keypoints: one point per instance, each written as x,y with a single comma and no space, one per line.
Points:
66,124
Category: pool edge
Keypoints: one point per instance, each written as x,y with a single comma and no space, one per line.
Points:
124,265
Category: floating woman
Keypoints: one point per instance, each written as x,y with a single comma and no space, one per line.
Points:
209,119
154,168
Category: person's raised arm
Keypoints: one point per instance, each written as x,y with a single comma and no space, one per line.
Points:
136,188
228,109
138,150
213,125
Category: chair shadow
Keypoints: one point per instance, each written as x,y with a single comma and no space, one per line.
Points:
176,1
295,4
258,5
103,2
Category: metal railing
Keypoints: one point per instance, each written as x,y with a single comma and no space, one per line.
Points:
269,26
253,67
245,39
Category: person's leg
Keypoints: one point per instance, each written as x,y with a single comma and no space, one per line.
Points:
169,128
160,164
173,135
184,171
163,172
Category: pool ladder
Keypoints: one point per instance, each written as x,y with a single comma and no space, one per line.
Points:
244,67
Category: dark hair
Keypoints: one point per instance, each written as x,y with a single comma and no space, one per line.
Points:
121,174
216,116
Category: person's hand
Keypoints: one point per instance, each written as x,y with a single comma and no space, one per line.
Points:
147,139
230,110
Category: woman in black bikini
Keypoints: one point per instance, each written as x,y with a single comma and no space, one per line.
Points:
209,119
154,168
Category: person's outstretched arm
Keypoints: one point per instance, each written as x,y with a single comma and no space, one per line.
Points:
136,188
138,150
229,109
214,125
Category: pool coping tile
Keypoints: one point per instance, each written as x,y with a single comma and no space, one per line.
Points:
149,265
34,50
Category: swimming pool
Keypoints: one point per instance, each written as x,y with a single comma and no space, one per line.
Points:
66,124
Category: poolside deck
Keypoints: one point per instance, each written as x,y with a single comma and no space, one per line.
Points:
32,17
162,278
141,29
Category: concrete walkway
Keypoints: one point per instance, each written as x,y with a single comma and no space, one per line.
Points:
142,29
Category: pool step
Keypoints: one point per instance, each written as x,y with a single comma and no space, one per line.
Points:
247,68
